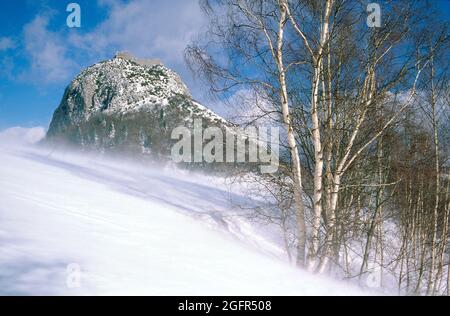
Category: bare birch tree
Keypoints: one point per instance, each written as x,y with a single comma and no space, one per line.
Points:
347,97
262,25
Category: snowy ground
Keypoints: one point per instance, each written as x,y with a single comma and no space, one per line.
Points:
130,230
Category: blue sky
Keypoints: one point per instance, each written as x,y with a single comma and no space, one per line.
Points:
40,54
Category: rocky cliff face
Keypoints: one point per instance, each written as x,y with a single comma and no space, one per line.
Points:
126,105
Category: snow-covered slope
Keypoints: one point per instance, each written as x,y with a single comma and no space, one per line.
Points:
131,230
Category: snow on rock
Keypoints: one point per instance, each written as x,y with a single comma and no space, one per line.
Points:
130,230
117,86
123,85
143,101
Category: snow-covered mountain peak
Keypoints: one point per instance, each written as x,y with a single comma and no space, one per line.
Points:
126,104
122,85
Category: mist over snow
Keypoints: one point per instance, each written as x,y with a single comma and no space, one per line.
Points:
20,135
74,224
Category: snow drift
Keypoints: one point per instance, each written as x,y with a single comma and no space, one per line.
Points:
80,225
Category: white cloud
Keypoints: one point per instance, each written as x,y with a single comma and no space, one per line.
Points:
148,29
6,43
7,67
157,29
47,52
246,106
